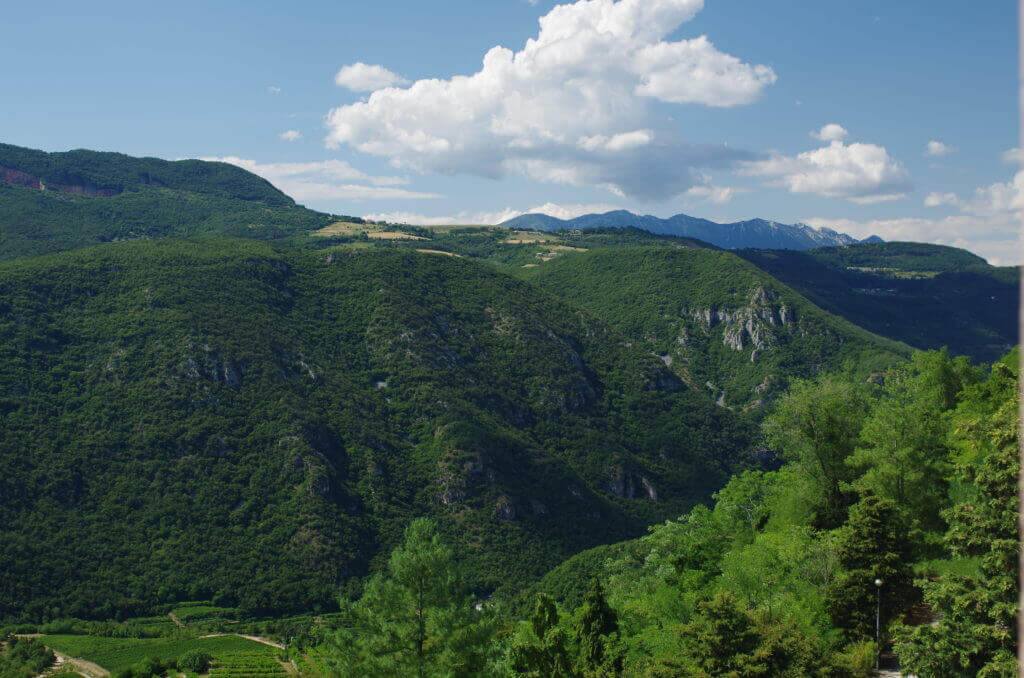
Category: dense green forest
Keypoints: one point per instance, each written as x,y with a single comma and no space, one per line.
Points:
718,322
910,483
927,296
51,202
392,450
187,419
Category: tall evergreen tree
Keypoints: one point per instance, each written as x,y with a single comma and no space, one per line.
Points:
416,619
596,622
545,653
727,639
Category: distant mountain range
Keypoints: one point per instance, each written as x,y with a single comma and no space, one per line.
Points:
755,233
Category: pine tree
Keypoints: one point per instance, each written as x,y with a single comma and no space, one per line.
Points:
545,653
416,619
596,622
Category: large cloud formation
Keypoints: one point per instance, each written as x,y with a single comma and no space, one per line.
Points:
574,105
862,173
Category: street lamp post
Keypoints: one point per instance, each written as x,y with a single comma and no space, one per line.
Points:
878,621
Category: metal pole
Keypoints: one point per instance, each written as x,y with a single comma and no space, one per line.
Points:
878,623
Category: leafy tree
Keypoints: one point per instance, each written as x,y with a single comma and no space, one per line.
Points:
873,544
816,426
196,661
904,451
976,630
742,507
415,619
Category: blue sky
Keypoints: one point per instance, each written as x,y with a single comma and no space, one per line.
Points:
615,104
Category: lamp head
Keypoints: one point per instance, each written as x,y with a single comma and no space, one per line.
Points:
878,583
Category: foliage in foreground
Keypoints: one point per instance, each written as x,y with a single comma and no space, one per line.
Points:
23,658
777,579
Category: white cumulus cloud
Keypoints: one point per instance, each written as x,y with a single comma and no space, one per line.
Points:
291,135
360,77
862,173
326,180
988,222
573,105
937,149
830,132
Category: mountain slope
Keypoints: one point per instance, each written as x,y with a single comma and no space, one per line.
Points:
715,320
753,233
58,201
188,418
86,172
927,296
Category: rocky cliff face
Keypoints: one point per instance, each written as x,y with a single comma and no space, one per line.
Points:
19,178
761,325
757,332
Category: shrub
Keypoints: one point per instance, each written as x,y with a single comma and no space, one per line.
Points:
196,661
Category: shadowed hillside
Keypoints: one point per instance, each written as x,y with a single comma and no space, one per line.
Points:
189,418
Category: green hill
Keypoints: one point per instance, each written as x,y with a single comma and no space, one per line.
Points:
93,172
187,419
927,296
60,201
716,321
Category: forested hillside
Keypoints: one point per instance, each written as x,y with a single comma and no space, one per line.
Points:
927,296
51,202
719,323
187,419
897,499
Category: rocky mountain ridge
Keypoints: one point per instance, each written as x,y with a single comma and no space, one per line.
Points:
758,233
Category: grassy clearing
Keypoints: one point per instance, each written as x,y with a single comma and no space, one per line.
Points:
447,254
528,237
116,654
341,228
372,231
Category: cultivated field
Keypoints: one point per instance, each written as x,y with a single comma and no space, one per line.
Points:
232,656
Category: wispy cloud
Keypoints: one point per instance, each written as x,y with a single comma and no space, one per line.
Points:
493,218
987,222
291,135
327,180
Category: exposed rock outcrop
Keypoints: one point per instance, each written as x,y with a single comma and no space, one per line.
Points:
757,325
19,178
